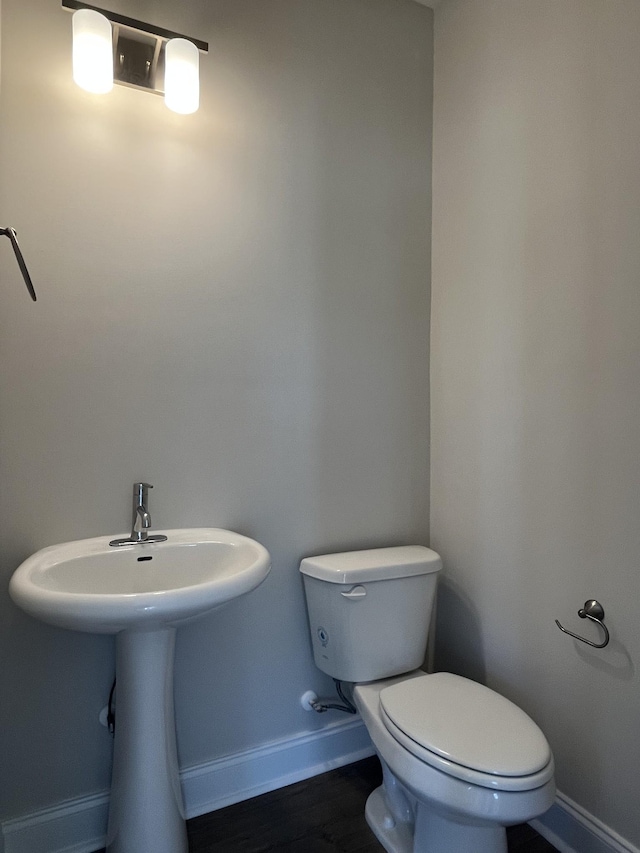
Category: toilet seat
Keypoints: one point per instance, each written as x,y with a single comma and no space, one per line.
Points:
467,731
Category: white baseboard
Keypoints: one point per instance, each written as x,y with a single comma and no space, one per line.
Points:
79,825
74,826
225,781
571,829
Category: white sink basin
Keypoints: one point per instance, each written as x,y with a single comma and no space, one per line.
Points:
89,586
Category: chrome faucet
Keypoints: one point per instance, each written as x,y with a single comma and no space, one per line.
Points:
141,520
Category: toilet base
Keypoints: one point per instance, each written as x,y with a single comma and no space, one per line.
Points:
395,836
432,831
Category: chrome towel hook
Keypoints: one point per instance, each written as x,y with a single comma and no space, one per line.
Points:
13,237
595,611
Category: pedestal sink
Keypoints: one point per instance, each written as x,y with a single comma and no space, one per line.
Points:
142,593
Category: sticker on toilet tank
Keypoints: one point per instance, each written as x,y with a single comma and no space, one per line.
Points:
323,636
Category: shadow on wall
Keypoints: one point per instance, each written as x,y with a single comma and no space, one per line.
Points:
458,646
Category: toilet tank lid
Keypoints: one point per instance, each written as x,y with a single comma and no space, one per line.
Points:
372,565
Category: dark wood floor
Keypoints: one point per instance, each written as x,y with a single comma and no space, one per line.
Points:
320,815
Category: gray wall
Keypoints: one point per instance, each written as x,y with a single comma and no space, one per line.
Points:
536,370
233,306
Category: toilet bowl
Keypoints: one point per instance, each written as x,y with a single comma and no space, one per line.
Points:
431,802
460,762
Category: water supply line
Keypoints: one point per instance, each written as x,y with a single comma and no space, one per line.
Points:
311,702
11,234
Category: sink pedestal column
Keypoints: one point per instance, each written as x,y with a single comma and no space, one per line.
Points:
146,812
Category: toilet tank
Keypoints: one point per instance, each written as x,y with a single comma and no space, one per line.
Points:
369,611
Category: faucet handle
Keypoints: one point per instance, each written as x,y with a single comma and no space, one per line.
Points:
140,494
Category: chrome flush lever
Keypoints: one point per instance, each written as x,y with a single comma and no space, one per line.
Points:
594,611
11,234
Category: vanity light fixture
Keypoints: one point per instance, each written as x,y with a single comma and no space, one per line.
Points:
110,48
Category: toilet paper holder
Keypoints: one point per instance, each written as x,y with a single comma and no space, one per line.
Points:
594,611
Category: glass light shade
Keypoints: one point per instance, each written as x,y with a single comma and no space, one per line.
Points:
181,76
92,51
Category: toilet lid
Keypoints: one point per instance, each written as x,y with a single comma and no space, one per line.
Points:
465,723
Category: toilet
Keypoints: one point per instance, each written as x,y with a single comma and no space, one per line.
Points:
460,762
